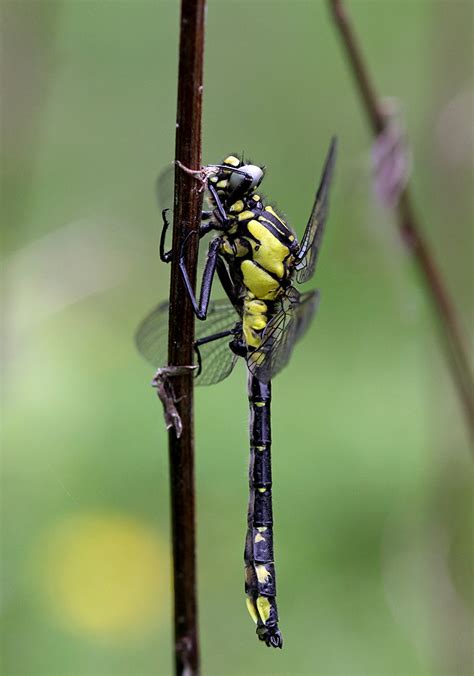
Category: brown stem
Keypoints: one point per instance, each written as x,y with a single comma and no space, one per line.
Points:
187,216
450,329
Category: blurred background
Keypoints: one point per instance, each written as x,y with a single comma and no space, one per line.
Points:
372,473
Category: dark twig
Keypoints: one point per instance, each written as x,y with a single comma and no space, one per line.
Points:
451,333
187,212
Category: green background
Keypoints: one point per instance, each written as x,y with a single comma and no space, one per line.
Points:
372,473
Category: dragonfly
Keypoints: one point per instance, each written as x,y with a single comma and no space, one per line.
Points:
258,260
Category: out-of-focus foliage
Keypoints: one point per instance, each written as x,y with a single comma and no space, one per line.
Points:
372,472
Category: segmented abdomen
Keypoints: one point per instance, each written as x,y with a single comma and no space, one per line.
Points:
260,583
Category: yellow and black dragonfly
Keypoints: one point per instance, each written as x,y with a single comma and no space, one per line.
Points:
258,259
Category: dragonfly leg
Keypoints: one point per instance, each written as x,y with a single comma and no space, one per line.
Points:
165,256
227,283
200,308
213,261
202,175
209,339
221,212
240,190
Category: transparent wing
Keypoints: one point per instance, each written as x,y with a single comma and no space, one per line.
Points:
281,334
218,361
165,188
151,339
311,241
151,336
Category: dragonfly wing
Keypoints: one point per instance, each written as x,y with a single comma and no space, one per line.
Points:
305,311
165,187
218,361
151,339
151,336
281,333
311,241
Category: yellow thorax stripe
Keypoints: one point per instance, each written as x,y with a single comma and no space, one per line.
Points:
274,213
271,253
245,215
232,160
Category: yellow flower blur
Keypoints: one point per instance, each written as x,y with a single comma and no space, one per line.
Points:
104,574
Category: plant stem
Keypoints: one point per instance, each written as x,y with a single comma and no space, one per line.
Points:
187,216
450,330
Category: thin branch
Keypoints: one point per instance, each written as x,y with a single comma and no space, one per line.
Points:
450,329
187,216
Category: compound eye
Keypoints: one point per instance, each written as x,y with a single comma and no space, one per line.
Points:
252,170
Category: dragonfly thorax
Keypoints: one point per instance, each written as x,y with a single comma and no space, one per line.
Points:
259,247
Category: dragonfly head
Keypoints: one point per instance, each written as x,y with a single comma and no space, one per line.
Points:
238,179
235,178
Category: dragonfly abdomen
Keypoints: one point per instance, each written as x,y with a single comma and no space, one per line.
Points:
260,583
